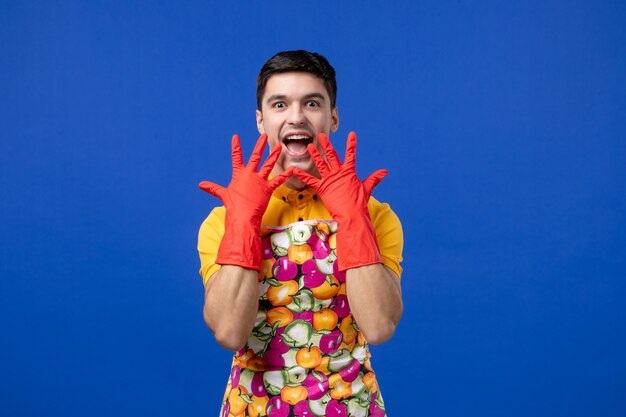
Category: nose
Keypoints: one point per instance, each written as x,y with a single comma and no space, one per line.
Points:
296,115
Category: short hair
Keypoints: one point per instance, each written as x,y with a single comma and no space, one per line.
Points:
298,61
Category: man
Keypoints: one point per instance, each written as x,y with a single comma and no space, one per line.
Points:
301,266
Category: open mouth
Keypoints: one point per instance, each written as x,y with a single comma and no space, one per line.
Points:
296,144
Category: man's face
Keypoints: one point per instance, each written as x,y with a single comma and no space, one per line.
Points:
294,109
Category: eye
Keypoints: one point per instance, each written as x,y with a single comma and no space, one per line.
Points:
278,105
312,103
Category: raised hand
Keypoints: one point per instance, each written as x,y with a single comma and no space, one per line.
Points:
245,199
345,197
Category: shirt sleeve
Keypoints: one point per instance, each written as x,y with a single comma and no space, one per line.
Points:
209,239
388,233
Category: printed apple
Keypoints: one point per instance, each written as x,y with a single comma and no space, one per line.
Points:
274,381
299,253
357,407
325,265
277,408
237,403
325,320
320,249
257,406
339,389
359,353
350,372
377,407
293,394
266,269
316,384
235,374
358,387
274,359
282,295
312,276
299,233
266,248
302,301
309,357
341,306
318,406
369,380
301,409
335,409
290,358
339,360
295,375
280,243
298,333
245,379
257,344
322,231
225,410
281,315
262,290
328,289
257,387
305,315
329,343
277,342
341,276
284,269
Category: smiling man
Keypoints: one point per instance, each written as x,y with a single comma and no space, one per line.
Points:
293,109
301,266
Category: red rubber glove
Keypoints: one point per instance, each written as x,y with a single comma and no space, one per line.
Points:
346,197
245,200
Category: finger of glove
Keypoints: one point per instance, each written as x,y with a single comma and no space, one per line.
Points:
331,154
212,188
236,152
350,159
257,153
318,159
267,167
306,178
373,180
279,179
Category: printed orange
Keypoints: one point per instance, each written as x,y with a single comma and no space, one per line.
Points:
325,319
299,254
279,314
282,295
257,407
293,395
237,404
309,357
327,290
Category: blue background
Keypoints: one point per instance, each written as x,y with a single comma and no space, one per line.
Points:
502,126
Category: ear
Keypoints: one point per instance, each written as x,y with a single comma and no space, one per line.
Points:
334,117
259,122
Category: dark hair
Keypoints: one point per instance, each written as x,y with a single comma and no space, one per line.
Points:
302,61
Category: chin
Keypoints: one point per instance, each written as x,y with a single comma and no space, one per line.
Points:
305,165
295,184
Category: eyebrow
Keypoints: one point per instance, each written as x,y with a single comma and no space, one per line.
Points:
284,96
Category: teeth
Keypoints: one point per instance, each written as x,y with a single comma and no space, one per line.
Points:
297,137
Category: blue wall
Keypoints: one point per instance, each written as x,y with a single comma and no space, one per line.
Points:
502,126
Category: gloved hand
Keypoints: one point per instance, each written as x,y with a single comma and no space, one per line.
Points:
346,197
245,200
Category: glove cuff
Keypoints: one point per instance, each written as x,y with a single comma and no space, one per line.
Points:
356,242
241,246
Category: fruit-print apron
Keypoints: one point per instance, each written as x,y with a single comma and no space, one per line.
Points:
306,355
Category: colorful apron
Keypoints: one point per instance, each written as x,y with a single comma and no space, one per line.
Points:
306,355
